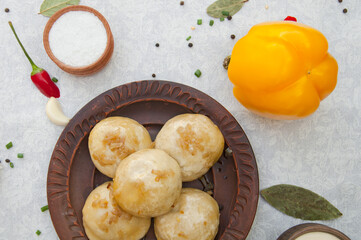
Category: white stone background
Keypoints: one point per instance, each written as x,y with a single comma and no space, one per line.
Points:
321,152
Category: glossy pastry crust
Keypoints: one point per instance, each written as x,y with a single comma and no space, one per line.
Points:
113,139
195,216
194,141
104,220
147,183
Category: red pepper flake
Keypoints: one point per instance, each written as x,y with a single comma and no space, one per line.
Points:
290,18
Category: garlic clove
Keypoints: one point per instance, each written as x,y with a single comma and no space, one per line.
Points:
55,112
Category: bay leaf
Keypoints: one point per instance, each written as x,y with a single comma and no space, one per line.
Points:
230,6
49,7
300,203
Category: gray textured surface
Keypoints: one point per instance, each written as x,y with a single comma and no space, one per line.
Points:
321,152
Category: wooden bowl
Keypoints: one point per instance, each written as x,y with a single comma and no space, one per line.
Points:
84,70
301,229
72,174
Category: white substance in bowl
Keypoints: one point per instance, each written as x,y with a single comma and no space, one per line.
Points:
78,38
317,236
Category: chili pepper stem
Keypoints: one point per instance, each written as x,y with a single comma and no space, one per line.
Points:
36,69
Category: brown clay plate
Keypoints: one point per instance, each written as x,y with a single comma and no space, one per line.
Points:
72,175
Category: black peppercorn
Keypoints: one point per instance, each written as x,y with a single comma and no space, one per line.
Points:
340,1
7,160
153,75
7,10
229,17
344,10
190,44
157,44
233,36
182,3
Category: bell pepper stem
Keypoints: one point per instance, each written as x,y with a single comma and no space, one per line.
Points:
36,69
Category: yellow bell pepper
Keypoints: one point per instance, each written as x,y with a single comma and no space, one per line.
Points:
282,70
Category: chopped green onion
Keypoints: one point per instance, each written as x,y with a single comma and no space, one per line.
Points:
225,13
20,155
188,38
9,145
38,232
211,23
221,19
198,73
43,209
54,79
199,21
11,165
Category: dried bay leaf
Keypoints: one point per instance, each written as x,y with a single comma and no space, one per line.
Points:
49,7
230,6
300,203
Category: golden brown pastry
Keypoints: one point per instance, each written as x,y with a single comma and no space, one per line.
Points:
104,220
147,183
113,139
195,216
194,141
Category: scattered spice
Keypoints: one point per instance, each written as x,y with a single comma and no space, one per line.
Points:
229,17
211,23
225,13
199,21
228,152
181,3
233,36
344,10
7,160
11,164
43,209
7,10
9,145
153,75
54,79
20,155
198,73
190,44
157,44
226,62
193,28
340,1
220,207
38,232
221,19
188,38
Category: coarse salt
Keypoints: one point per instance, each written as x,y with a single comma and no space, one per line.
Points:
78,38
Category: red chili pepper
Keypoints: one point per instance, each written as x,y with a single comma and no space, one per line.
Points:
289,18
39,76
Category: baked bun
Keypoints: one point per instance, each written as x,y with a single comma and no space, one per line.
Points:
104,220
194,141
147,183
113,139
195,216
